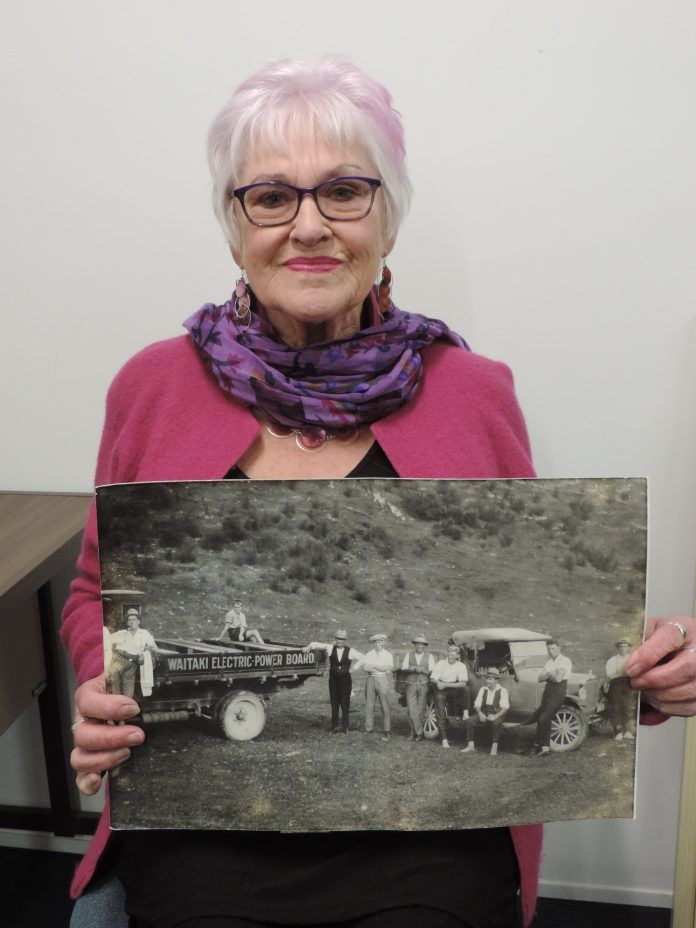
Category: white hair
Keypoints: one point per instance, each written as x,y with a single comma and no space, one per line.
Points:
328,98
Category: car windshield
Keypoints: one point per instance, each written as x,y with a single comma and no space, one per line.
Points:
529,653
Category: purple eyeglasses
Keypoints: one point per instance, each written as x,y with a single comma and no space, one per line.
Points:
342,199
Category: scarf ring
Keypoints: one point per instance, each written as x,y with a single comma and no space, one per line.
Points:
339,384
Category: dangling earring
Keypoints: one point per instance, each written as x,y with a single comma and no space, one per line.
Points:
242,300
384,301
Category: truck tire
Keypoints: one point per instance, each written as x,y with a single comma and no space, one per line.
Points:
241,716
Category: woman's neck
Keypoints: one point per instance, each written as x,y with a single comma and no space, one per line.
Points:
298,334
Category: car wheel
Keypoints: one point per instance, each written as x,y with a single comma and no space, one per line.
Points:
241,716
430,727
601,725
568,729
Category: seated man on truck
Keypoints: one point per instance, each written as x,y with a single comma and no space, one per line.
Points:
236,626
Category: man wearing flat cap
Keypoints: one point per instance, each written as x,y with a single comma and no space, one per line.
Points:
340,679
132,648
418,666
491,704
378,663
621,696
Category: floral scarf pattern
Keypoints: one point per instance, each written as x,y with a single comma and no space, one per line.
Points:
337,385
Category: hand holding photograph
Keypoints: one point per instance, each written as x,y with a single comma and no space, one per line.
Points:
327,655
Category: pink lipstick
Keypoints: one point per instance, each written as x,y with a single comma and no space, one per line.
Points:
317,265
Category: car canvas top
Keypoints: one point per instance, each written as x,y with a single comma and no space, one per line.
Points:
498,634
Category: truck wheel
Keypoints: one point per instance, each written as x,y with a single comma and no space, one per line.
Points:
568,729
241,716
430,727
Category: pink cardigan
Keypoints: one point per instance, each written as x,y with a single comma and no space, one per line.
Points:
166,419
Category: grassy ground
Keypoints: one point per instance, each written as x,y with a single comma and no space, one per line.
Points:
296,776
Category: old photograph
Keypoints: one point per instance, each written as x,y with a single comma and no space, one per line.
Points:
327,655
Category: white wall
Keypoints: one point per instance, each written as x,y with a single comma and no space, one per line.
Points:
563,131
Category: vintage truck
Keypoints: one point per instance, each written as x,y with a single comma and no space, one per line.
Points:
229,683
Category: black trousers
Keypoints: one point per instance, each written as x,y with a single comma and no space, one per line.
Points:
340,687
551,701
406,917
621,711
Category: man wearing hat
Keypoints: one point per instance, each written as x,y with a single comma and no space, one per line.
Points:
340,679
418,666
131,648
621,695
449,678
491,704
378,663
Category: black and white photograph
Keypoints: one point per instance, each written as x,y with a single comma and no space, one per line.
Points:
324,655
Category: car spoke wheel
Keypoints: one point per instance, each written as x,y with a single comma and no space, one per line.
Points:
568,729
601,725
241,716
430,727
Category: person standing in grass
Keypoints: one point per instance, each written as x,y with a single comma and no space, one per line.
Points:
621,694
340,677
418,666
378,663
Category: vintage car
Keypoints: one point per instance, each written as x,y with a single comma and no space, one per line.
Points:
229,683
519,655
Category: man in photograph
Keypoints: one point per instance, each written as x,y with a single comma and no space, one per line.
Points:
340,679
555,674
449,679
378,663
132,648
491,704
236,626
621,694
418,666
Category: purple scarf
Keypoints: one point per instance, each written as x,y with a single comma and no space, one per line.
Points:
334,385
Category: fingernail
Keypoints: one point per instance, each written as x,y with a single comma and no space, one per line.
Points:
123,755
129,711
633,670
136,737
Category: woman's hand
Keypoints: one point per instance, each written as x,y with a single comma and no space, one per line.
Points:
663,668
100,747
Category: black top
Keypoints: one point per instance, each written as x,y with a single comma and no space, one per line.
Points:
375,463
306,879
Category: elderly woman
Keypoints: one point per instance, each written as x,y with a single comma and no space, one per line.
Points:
309,370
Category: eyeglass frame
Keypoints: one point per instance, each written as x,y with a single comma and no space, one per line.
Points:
240,192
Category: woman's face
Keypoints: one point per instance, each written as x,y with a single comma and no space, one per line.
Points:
307,299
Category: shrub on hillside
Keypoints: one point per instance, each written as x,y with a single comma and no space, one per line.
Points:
214,541
187,553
